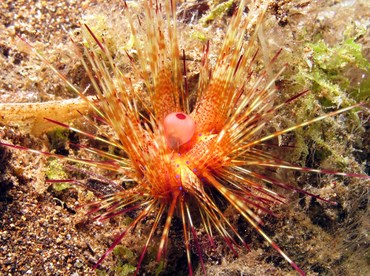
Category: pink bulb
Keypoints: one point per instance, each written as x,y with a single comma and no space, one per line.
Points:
179,128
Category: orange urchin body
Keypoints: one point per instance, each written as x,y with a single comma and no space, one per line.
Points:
230,109
168,168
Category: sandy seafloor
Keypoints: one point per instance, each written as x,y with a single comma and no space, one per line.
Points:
43,233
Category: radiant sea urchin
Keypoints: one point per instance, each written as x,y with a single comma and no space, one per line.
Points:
173,167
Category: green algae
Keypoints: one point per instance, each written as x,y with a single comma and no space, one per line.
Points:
125,261
58,138
216,12
125,264
55,171
327,71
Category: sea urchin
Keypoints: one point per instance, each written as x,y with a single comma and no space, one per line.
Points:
179,153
